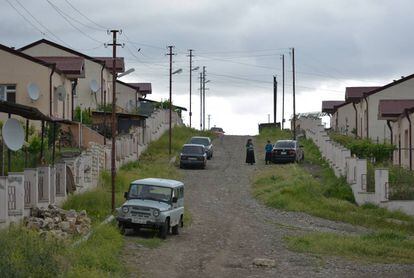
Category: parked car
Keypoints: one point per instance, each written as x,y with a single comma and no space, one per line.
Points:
287,151
206,142
217,131
193,155
153,203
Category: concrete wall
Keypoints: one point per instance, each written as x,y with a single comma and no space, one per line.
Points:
353,169
15,70
84,96
378,129
345,117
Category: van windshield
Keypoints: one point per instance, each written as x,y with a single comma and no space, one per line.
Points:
150,192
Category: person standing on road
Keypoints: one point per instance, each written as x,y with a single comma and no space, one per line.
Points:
268,149
250,152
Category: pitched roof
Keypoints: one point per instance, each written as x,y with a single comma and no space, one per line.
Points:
68,65
403,79
144,88
74,52
328,106
119,63
28,57
389,109
355,93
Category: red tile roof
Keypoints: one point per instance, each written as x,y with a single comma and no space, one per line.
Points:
68,65
119,63
355,93
393,108
144,88
328,106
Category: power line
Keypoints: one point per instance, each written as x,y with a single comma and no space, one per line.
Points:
39,22
86,17
25,18
70,23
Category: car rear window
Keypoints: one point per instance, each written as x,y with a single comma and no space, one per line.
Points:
285,144
201,141
193,150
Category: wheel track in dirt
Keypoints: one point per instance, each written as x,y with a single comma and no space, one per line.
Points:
230,229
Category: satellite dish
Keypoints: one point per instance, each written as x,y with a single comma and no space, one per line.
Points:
13,134
61,92
33,91
94,85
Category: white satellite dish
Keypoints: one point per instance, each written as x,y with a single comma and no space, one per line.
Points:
61,92
13,134
94,85
33,91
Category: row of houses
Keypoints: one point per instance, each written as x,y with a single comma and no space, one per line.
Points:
47,82
380,113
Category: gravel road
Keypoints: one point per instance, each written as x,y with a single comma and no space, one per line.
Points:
231,230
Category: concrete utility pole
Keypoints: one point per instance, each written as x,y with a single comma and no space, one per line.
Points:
191,71
283,90
204,97
274,99
114,44
209,117
170,53
201,101
294,96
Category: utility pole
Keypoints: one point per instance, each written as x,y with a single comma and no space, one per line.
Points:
170,53
114,44
201,101
274,99
283,90
191,70
294,96
209,117
204,97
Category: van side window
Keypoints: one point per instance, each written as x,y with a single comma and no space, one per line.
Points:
181,192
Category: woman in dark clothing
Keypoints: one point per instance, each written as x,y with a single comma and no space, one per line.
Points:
250,152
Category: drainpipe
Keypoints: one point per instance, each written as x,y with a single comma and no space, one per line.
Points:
410,135
53,66
366,101
74,85
391,134
399,149
336,120
356,119
103,67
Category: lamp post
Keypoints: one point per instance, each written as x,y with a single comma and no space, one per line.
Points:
170,101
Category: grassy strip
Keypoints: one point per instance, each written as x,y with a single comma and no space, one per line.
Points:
24,254
291,187
379,247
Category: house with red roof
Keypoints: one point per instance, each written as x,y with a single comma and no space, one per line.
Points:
43,83
95,87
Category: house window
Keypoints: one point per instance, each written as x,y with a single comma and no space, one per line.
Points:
8,93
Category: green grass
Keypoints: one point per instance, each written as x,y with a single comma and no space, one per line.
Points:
379,247
313,188
24,254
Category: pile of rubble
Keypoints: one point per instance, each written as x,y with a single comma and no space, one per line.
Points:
59,223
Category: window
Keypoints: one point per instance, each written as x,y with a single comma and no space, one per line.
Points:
8,93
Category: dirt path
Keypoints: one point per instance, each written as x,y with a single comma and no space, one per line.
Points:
230,230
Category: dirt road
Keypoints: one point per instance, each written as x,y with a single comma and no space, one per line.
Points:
230,230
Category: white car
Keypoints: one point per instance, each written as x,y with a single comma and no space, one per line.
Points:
153,203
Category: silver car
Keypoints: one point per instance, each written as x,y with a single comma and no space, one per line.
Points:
153,203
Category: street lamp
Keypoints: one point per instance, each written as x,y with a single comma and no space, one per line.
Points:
170,100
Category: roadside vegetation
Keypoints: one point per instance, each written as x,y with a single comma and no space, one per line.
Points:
25,254
312,187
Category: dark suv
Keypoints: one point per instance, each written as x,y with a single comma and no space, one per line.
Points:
193,155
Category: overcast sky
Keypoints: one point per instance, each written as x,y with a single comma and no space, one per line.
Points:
337,44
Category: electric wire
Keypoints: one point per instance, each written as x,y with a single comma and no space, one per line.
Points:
86,17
